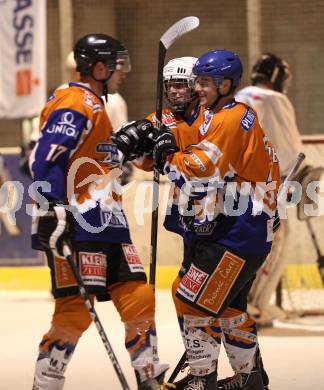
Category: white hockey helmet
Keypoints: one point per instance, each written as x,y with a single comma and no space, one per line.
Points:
177,73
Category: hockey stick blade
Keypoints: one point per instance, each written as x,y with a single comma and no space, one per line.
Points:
178,29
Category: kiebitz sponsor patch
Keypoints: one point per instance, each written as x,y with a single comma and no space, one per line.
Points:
93,268
132,258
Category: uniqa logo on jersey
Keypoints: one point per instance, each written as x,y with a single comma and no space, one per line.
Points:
65,126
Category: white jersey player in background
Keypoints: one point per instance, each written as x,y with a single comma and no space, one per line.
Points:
267,95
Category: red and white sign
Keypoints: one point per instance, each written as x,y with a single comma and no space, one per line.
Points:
132,258
22,58
93,268
192,283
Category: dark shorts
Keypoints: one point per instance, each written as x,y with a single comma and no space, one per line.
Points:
100,264
214,278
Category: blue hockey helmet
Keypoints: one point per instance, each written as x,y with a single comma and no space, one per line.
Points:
220,64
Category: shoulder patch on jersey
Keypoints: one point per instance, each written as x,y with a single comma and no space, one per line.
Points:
168,119
91,102
208,119
248,119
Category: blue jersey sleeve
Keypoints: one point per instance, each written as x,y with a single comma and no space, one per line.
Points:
60,135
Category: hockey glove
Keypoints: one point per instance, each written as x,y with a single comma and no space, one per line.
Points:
55,228
131,138
165,145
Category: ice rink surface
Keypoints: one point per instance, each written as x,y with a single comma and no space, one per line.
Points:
293,362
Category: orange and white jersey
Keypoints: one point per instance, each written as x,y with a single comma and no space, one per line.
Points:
232,176
75,157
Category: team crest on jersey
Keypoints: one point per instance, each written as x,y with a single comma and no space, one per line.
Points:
205,126
248,119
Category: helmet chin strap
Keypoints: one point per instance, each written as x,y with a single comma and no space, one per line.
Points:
219,97
213,105
104,83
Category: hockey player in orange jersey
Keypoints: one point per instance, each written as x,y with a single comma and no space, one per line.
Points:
181,117
76,161
231,178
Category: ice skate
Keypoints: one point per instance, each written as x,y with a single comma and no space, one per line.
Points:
182,383
207,382
155,383
243,381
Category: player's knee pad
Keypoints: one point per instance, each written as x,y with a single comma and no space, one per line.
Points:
72,313
202,338
239,336
133,299
135,303
54,356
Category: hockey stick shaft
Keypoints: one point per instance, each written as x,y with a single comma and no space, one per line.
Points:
178,367
290,176
176,31
156,175
92,311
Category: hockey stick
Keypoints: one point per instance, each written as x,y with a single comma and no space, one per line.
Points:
281,194
290,176
84,294
175,32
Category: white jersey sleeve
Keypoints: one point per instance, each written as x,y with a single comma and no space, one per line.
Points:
117,110
277,117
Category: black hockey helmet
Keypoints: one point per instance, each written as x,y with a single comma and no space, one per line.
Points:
93,48
271,69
